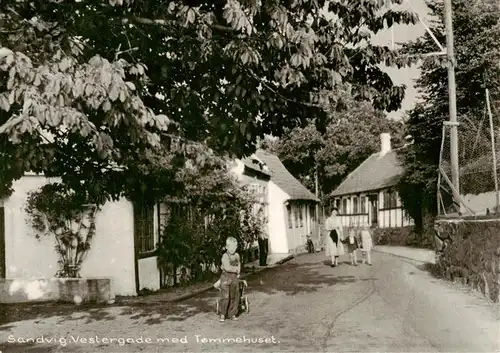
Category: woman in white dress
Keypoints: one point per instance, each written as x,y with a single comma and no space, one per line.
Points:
333,227
367,245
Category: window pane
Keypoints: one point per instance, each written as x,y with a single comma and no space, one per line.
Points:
144,227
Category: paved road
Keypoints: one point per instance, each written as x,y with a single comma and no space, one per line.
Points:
302,306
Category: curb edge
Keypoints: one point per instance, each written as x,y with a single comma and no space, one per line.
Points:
401,256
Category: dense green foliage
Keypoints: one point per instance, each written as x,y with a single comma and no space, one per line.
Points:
477,34
90,90
352,134
195,233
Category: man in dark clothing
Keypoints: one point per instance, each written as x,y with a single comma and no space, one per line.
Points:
263,249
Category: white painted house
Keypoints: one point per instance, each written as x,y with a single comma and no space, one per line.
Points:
368,195
124,244
289,207
122,248
292,208
254,174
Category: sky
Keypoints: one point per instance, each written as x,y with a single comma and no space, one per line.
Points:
404,33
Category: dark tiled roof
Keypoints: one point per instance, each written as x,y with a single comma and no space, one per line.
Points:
376,172
282,177
255,165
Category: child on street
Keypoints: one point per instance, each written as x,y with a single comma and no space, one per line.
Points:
229,285
352,246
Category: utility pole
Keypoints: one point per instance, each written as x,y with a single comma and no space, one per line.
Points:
316,181
319,219
493,151
452,99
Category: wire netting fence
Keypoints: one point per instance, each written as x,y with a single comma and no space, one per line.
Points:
478,152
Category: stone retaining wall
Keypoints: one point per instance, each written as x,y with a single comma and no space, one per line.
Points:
468,250
72,290
402,236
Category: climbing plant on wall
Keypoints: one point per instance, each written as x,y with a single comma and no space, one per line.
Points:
68,217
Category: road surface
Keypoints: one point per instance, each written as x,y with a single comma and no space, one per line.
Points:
301,306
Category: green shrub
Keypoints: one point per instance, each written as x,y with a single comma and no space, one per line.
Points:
185,242
402,236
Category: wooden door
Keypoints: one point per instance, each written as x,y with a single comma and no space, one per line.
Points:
374,210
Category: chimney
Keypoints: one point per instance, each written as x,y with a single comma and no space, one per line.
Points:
385,143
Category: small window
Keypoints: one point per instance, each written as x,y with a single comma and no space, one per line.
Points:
390,199
344,206
301,216
355,205
144,227
289,212
312,212
363,204
297,217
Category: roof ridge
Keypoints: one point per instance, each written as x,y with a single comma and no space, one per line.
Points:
286,180
355,170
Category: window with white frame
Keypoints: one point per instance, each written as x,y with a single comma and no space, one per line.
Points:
289,212
390,199
363,204
344,206
355,204
297,216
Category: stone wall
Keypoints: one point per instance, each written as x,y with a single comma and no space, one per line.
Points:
468,251
402,236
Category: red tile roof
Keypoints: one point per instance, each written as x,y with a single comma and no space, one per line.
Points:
375,173
282,177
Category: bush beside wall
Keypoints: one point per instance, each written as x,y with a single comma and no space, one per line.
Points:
403,236
469,251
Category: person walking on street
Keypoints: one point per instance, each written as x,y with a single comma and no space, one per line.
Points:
263,248
352,246
333,227
367,245
263,241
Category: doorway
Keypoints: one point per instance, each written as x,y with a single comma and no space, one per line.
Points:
373,209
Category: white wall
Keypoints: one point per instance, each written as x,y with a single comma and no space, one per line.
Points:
387,218
149,274
479,203
25,256
277,219
393,218
112,249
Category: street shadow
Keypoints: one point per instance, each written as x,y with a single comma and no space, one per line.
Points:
293,278
288,279
23,347
430,268
39,311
